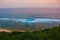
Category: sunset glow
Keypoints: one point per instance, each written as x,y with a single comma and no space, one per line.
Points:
29,3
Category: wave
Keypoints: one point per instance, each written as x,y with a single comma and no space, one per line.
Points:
31,20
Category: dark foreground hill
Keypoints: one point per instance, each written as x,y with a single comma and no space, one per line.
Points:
47,34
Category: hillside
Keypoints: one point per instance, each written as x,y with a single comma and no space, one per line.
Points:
47,34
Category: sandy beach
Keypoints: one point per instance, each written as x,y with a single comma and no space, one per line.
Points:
5,30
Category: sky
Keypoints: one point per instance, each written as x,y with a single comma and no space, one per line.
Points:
47,4
29,3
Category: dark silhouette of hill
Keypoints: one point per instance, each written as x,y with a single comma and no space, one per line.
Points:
47,34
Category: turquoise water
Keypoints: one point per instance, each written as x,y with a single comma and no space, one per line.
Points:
30,20
10,17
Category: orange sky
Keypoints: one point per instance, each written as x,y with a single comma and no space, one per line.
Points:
29,3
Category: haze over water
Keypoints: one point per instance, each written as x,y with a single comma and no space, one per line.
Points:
29,12
28,8
45,13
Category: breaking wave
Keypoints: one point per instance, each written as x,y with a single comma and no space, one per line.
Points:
32,20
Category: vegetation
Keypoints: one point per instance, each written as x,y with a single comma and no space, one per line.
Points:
47,34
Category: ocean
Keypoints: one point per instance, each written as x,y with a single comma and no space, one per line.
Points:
25,18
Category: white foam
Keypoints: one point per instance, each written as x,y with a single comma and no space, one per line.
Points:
35,20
